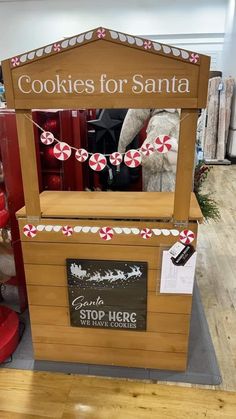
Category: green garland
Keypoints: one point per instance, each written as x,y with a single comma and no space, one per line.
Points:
207,204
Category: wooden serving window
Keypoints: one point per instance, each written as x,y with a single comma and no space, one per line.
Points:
106,69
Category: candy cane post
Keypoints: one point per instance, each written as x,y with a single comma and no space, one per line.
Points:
106,233
62,151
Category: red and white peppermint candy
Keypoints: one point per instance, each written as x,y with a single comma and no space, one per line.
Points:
147,149
132,158
15,61
101,33
186,236
56,47
29,230
116,158
163,143
146,233
97,162
67,231
62,151
47,137
81,155
106,233
147,44
194,58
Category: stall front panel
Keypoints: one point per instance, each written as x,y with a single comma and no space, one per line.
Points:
93,260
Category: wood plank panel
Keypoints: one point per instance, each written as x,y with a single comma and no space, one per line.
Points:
157,322
56,254
54,275
164,238
111,205
123,357
156,303
149,341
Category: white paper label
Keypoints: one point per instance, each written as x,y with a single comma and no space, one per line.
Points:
177,279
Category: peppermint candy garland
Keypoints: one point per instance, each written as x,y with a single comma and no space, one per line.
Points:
132,158
116,158
106,233
194,58
147,44
81,155
97,162
47,138
186,236
15,61
67,231
147,149
56,47
62,151
163,144
146,233
101,33
29,230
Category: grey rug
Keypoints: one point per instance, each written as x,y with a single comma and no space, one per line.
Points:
202,362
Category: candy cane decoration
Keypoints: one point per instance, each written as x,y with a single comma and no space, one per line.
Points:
146,233
147,44
101,33
47,138
116,158
106,233
15,61
56,47
186,236
29,230
81,155
132,158
62,151
147,149
97,162
163,144
194,58
67,231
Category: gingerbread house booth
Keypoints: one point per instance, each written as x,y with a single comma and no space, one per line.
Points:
94,261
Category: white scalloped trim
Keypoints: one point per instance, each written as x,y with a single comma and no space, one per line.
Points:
85,229
70,42
57,228
40,227
48,228
77,229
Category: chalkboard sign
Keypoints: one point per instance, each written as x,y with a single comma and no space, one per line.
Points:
107,294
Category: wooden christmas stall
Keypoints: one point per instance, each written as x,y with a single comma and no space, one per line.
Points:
93,259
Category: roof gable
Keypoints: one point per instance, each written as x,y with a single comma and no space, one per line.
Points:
106,35
103,68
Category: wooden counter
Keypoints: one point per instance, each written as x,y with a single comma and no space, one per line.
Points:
115,205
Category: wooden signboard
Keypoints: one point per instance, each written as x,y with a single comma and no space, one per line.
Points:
107,294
